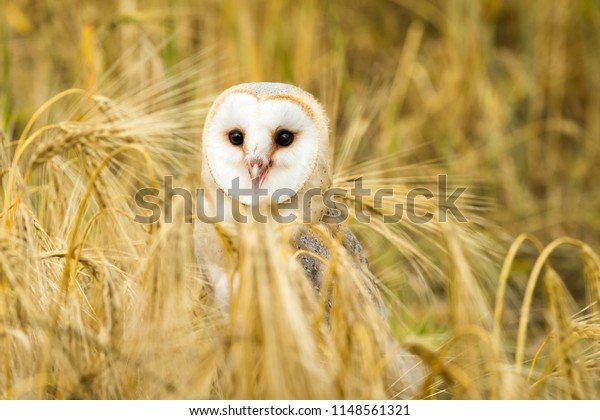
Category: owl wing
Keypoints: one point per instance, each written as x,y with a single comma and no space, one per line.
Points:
315,251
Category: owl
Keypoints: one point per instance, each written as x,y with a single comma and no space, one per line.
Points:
271,138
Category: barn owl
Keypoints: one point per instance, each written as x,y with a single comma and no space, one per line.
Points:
272,137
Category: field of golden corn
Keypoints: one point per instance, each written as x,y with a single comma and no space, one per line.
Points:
101,98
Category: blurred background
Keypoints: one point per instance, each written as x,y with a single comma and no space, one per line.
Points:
503,96
503,92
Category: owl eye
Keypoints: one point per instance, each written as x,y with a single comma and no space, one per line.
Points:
284,138
236,137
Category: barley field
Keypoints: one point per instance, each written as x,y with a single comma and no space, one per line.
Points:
101,98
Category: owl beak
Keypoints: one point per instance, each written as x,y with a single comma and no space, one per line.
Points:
254,171
257,170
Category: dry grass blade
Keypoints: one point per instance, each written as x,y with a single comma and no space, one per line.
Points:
96,305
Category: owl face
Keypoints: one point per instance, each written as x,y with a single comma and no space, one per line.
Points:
264,135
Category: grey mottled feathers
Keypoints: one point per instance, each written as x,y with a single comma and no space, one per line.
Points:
308,240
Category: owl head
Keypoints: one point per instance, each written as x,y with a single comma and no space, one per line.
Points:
271,136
